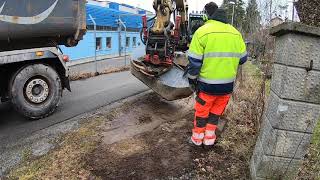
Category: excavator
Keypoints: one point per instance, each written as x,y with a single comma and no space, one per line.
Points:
163,66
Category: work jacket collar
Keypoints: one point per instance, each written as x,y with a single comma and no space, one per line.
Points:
212,21
220,15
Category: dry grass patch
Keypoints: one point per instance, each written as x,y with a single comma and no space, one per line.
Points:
311,165
86,75
65,162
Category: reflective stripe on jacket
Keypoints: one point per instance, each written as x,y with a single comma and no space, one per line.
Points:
214,54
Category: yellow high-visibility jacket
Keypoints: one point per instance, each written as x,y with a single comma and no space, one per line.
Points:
214,55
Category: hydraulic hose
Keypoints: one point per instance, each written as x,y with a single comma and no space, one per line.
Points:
148,28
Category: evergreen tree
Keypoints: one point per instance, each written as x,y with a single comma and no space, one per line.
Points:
239,12
252,17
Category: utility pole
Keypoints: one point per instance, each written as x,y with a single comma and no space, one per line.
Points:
121,23
95,46
233,10
293,10
270,10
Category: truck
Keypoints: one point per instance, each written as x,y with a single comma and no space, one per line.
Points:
33,71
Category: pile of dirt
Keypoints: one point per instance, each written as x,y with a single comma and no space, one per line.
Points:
309,11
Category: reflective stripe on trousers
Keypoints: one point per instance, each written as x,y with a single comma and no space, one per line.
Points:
210,137
209,142
197,138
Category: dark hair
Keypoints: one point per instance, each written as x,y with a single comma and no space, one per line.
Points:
219,15
211,8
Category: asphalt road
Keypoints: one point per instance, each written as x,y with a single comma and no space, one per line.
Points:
86,95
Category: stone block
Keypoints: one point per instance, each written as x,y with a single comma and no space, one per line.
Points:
294,103
296,84
296,28
272,167
298,50
292,115
258,152
283,143
253,160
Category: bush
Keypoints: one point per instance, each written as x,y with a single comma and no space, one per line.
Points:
309,12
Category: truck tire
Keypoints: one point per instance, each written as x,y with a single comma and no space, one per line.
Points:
36,91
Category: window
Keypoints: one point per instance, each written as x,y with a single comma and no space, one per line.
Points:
128,42
134,42
109,43
98,44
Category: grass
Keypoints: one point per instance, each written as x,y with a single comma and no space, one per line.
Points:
86,75
311,165
65,162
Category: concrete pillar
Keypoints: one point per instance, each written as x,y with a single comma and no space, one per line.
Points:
293,106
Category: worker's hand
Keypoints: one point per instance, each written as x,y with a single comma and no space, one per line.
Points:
172,33
193,83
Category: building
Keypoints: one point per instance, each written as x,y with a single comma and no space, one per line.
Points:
112,38
276,21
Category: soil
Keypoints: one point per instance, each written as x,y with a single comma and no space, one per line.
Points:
164,152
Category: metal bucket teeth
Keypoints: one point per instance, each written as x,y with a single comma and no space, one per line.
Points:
170,85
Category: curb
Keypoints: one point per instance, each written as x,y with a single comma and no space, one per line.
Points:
91,60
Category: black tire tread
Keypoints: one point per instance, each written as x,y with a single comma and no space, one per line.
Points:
25,72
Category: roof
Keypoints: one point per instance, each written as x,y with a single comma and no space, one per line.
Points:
108,17
277,18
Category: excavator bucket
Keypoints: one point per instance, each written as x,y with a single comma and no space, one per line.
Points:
169,83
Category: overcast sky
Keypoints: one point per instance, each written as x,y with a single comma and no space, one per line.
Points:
196,5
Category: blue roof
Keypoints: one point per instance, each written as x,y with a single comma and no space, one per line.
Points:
108,17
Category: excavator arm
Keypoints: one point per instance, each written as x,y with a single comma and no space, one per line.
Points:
164,38
164,9
163,66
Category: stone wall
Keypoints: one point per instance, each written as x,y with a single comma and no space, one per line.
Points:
293,106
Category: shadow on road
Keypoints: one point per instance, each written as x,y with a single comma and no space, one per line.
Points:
9,117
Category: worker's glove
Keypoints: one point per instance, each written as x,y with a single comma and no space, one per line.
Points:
193,83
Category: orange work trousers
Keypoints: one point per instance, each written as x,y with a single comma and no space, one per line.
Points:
208,109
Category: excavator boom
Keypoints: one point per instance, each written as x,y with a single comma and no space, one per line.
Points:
163,66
